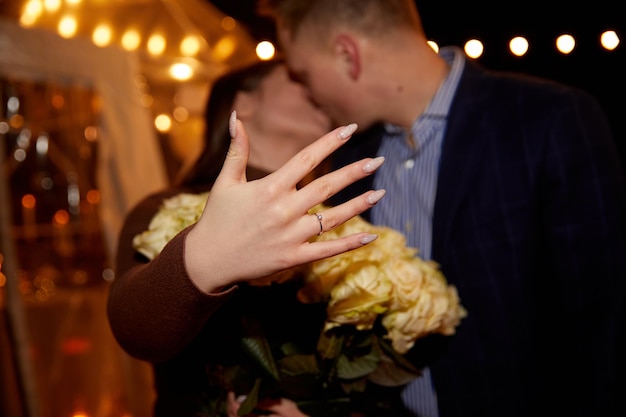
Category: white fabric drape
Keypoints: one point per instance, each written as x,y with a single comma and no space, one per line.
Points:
130,163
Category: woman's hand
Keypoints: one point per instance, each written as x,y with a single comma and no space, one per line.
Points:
254,229
272,408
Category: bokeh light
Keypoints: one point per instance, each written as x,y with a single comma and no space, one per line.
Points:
565,43
474,48
265,50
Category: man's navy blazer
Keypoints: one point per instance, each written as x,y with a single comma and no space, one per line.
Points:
529,225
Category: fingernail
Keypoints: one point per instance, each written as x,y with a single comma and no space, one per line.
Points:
368,239
374,164
240,399
347,131
375,196
232,124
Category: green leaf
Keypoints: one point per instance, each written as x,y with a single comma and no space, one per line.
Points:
357,385
299,364
251,400
399,359
357,366
289,348
329,345
256,345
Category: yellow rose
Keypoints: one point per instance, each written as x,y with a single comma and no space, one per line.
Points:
409,275
384,278
359,297
391,244
175,214
321,276
422,303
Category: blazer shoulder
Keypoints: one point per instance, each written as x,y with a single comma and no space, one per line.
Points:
513,84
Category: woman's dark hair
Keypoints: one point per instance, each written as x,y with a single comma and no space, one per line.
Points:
217,112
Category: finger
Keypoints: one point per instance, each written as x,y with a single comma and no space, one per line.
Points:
282,407
232,404
333,217
325,249
287,407
234,168
294,170
324,187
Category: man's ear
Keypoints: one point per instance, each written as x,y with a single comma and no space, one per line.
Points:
347,50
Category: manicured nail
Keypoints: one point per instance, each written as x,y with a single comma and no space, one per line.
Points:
232,124
375,196
347,131
240,399
368,239
374,164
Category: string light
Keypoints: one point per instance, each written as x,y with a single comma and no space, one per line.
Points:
102,35
32,10
609,40
265,50
67,26
474,48
565,43
223,48
156,44
52,6
131,40
181,71
163,123
190,45
228,23
518,46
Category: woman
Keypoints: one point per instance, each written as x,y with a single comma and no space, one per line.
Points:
180,311
275,111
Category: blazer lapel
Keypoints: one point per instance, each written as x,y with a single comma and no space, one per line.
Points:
462,154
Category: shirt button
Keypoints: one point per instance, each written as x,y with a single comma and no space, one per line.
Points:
409,163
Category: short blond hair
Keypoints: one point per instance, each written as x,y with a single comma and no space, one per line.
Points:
372,17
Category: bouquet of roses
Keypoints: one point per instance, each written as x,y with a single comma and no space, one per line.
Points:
379,299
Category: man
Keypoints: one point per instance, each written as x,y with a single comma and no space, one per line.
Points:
511,183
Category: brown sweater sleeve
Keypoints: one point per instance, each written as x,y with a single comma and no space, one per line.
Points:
153,308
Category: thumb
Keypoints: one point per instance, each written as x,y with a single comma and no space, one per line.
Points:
234,168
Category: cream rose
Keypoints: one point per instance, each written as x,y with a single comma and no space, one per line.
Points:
175,214
359,298
383,279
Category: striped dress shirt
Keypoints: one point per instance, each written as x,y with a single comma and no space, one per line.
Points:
409,175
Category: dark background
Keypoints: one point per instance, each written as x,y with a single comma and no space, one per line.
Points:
589,67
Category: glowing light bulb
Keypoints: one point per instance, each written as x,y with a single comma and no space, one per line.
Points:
67,26
181,71
156,44
102,35
265,50
131,40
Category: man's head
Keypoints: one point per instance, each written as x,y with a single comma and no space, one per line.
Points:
374,17
332,47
